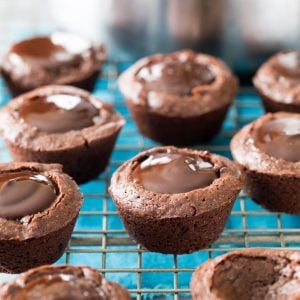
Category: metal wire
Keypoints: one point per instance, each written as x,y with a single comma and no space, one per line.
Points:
249,225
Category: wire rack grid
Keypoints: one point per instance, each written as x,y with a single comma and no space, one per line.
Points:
100,240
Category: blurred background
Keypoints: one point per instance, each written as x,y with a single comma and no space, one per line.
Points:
242,32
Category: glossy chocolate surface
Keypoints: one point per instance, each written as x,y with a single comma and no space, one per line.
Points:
54,50
62,286
288,64
172,173
175,76
280,138
25,193
59,113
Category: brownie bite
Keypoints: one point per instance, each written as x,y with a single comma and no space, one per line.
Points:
61,124
249,274
175,200
268,151
63,282
39,205
278,80
179,98
60,58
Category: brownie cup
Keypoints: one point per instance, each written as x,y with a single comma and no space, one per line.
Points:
278,82
39,205
61,124
63,282
175,200
268,151
249,274
179,98
60,58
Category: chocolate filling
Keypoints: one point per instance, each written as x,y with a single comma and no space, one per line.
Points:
57,50
25,193
288,64
172,173
280,138
59,113
175,77
61,286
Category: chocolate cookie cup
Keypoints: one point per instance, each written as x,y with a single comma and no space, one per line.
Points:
179,98
248,274
60,58
278,81
175,200
39,205
63,282
61,124
268,151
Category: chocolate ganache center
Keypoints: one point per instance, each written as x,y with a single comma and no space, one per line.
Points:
62,286
59,113
172,173
288,64
25,193
175,77
280,138
49,50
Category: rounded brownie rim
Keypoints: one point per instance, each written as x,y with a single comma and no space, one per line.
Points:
268,83
202,278
53,218
246,153
220,92
98,52
91,275
29,137
127,193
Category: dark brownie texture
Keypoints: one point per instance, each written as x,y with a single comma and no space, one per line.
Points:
268,152
62,283
277,81
175,200
39,205
61,124
60,58
179,98
260,274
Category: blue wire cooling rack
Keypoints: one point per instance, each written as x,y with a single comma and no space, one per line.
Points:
100,241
